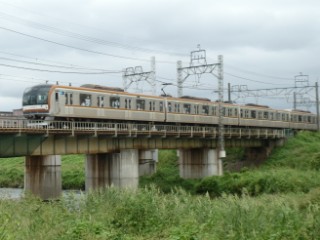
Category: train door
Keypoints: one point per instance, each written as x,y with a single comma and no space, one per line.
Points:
59,100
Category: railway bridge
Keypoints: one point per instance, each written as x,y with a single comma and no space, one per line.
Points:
117,153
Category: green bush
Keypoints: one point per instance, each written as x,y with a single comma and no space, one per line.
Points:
260,182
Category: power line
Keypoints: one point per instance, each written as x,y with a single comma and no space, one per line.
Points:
81,36
260,74
57,66
77,48
56,62
56,71
251,80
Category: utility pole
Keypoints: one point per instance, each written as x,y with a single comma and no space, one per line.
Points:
136,74
222,152
300,80
317,105
229,92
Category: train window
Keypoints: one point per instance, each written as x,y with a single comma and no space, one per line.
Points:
246,113
115,102
265,115
153,105
57,96
127,103
223,111
177,107
85,100
187,108
169,107
100,101
69,100
205,110
283,117
196,109
299,118
230,112
214,111
271,116
161,106
141,104
253,114
236,112
259,115
241,113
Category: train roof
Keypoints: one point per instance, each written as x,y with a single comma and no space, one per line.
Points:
195,98
95,86
256,105
299,110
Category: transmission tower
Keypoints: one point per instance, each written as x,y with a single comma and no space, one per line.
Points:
136,75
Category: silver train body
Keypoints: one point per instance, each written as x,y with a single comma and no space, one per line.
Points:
97,103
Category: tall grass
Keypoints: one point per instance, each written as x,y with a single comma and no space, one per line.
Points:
150,214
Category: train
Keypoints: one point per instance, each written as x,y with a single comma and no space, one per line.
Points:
92,102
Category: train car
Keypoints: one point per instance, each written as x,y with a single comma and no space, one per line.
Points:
301,119
55,102
98,103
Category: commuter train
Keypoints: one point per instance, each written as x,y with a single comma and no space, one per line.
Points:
98,103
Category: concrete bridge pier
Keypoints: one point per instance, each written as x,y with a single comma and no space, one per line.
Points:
97,170
147,162
257,155
199,163
43,176
117,169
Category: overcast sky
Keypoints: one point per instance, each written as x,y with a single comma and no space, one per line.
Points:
264,44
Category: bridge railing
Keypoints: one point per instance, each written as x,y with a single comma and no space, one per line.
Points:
133,129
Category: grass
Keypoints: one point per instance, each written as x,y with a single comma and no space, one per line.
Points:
280,200
150,214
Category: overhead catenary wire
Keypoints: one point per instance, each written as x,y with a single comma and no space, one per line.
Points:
251,80
261,74
83,37
56,71
58,66
73,47
51,61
